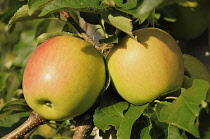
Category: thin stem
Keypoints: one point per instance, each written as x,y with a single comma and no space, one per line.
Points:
30,124
80,31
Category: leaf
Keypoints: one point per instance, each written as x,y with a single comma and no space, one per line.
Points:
183,112
35,4
111,39
132,114
91,18
3,80
109,116
23,15
119,20
12,119
12,112
81,5
146,8
173,133
45,36
24,48
13,107
204,120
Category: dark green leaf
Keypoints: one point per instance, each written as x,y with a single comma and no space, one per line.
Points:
91,18
112,39
183,112
204,120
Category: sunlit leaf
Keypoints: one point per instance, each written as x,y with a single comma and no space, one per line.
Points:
146,8
23,15
119,20
45,36
82,5
132,114
183,112
35,4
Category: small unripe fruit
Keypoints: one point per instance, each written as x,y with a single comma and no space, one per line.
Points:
142,71
195,69
63,78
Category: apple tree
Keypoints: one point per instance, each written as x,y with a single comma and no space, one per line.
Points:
181,111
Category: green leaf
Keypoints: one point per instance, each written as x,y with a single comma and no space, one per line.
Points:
173,133
109,116
34,5
82,5
23,15
13,111
10,120
3,80
119,20
45,36
146,8
91,18
132,114
24,48
204,120
111,39
15,106
183,112
131,4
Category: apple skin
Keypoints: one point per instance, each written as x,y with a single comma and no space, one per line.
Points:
142,71
190,22
63,78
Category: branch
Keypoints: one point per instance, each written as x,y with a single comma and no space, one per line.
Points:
84,126
80,31
30,124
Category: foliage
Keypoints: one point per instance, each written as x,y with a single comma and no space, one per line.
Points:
183,113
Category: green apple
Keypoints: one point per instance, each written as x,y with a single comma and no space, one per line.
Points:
195,69
192,19
63,78
142,71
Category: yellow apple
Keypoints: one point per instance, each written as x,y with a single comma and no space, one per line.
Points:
63,78
192,19
142,71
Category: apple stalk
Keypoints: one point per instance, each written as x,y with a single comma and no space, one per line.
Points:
80,31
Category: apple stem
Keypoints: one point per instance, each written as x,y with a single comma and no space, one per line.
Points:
84,126
80,31
29,125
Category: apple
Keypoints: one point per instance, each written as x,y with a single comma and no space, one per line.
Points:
195,69
192,19
142,71
63,78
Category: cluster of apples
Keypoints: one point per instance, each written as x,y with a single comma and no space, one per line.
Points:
65,75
